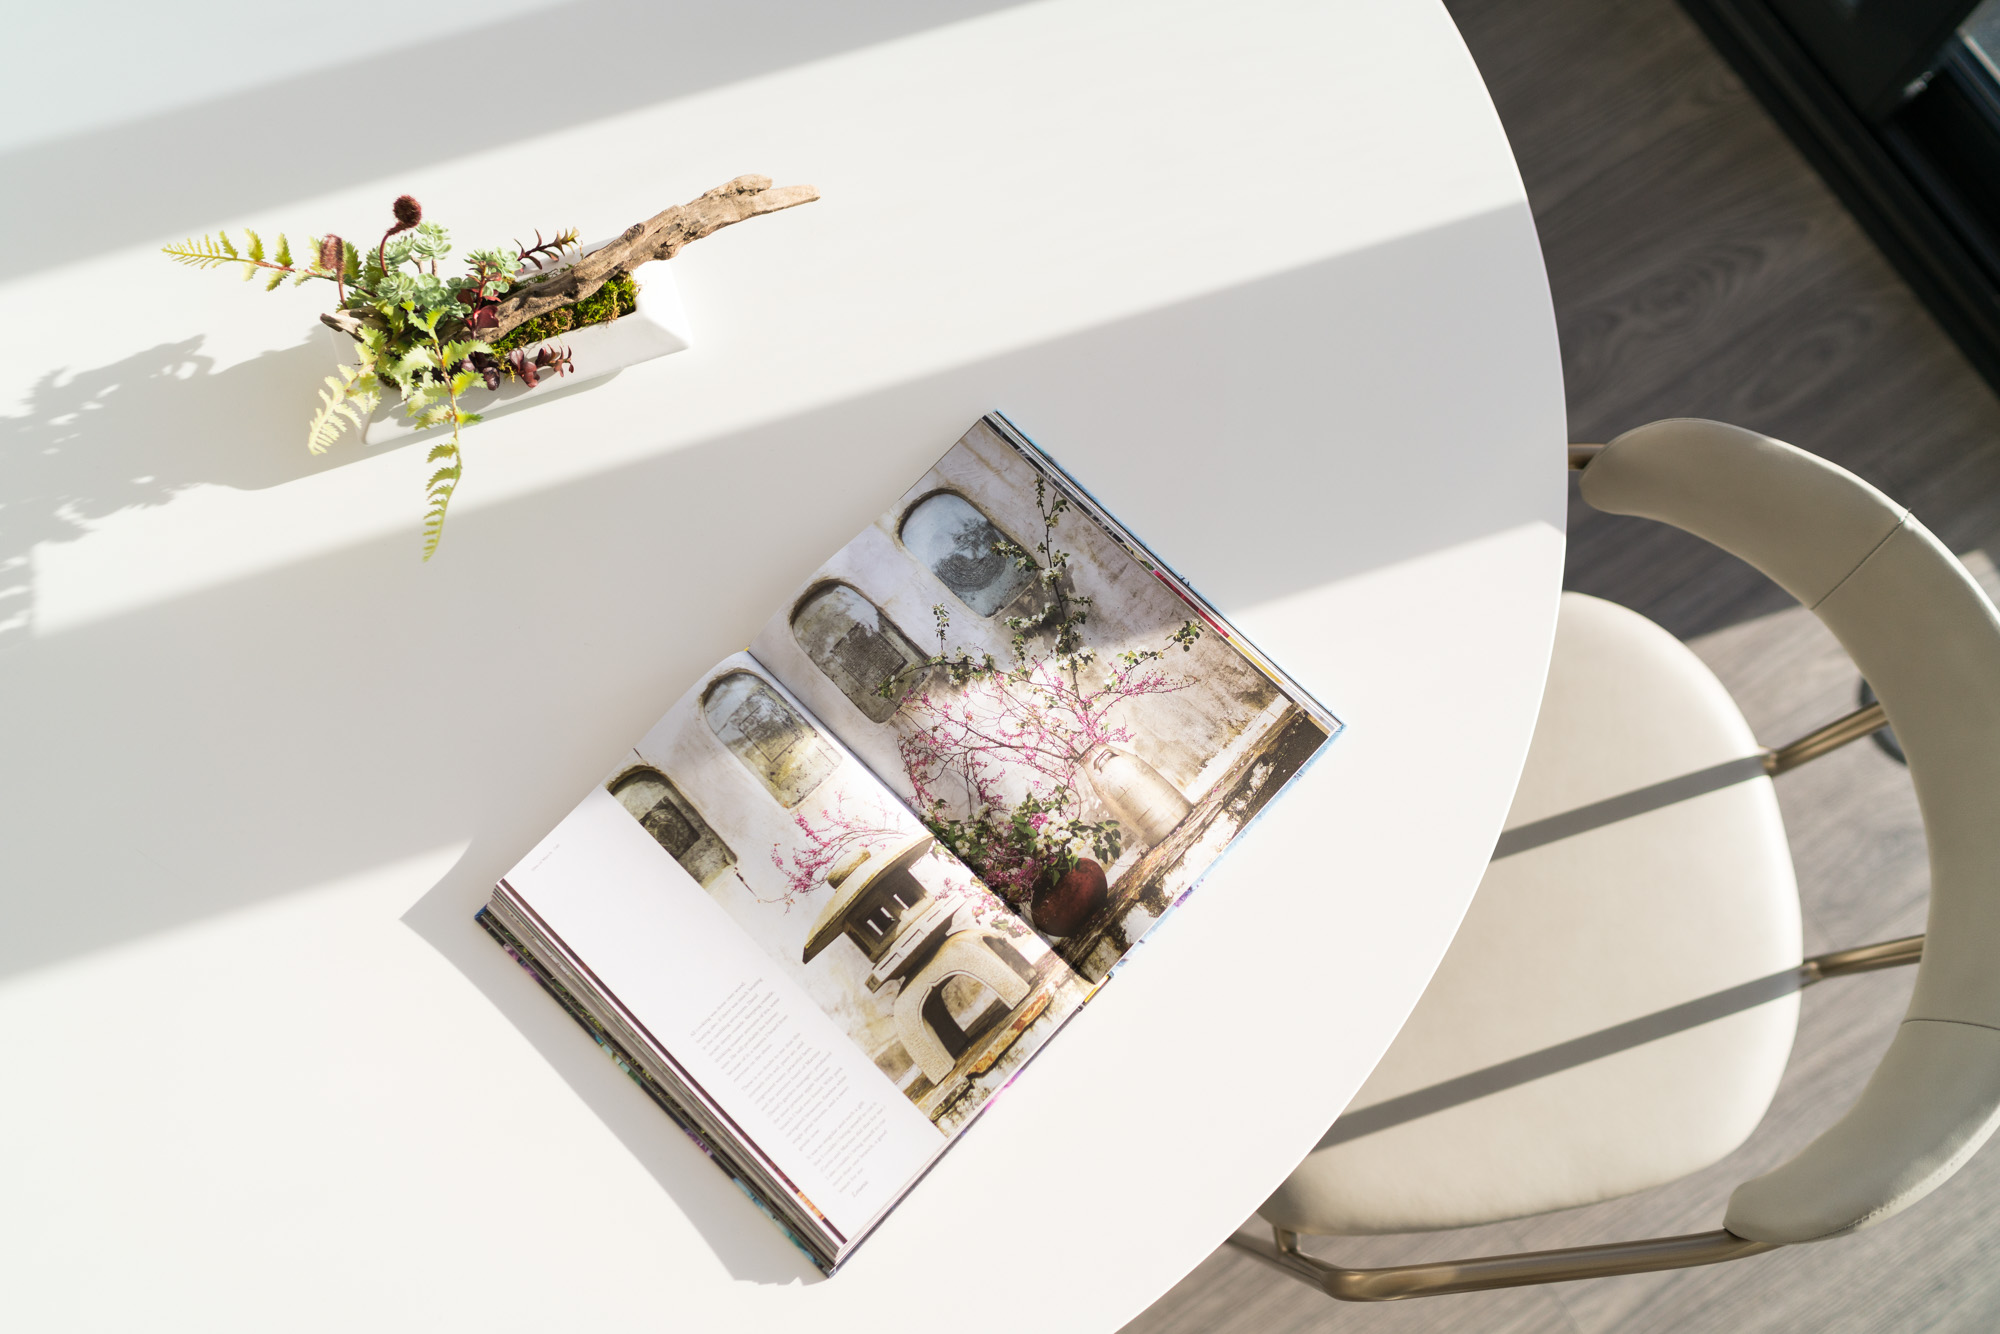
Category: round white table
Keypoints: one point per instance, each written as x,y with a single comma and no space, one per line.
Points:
1262,274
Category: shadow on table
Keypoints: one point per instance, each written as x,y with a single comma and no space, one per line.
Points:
137,432
746,1242
164,174
345,710
353,708
231,744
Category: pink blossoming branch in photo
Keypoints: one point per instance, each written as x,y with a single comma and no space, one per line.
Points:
1036,722
838,835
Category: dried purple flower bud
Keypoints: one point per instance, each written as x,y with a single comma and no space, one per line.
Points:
330,254
408,214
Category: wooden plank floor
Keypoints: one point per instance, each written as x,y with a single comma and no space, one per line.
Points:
1700,268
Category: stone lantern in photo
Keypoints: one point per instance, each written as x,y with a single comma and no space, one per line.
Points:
966,991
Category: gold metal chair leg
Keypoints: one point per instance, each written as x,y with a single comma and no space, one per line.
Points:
1863,959
1498,1271
1863,721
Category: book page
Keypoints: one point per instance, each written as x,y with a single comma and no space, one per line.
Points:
796,1090
1065,715
862,927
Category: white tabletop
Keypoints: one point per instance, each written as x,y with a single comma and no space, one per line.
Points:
1262,274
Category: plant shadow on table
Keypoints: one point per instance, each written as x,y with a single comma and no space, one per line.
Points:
135,433
139,431
747,1243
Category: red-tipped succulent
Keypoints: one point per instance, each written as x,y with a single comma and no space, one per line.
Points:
488,368
529,370
543,253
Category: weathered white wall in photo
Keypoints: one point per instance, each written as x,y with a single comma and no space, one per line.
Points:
1190,735
1333,400
739,808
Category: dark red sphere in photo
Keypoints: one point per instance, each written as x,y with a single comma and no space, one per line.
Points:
1071,899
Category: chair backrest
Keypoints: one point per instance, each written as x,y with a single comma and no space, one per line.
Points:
1928,640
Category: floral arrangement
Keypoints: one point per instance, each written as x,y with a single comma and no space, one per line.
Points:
1036,718
416,332
431,336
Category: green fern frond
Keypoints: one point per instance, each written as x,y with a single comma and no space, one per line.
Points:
330,423
347,401
335,415
434,528
443,451
212,251
405,368
204,254
438,494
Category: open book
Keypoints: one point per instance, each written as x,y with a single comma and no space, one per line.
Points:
857,876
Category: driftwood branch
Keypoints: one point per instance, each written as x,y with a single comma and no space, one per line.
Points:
659,237
342,321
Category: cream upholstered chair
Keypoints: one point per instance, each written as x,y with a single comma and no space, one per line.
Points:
1618,1006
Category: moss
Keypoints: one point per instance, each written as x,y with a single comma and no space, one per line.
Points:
619,296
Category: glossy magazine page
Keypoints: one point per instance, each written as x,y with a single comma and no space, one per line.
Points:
1060,710
762,911
856,877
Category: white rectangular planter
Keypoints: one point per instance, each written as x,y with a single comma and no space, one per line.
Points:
656,328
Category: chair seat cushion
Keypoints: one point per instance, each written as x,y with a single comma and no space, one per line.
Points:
1620,1001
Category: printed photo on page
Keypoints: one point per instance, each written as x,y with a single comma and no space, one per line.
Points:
1059,712
929,974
